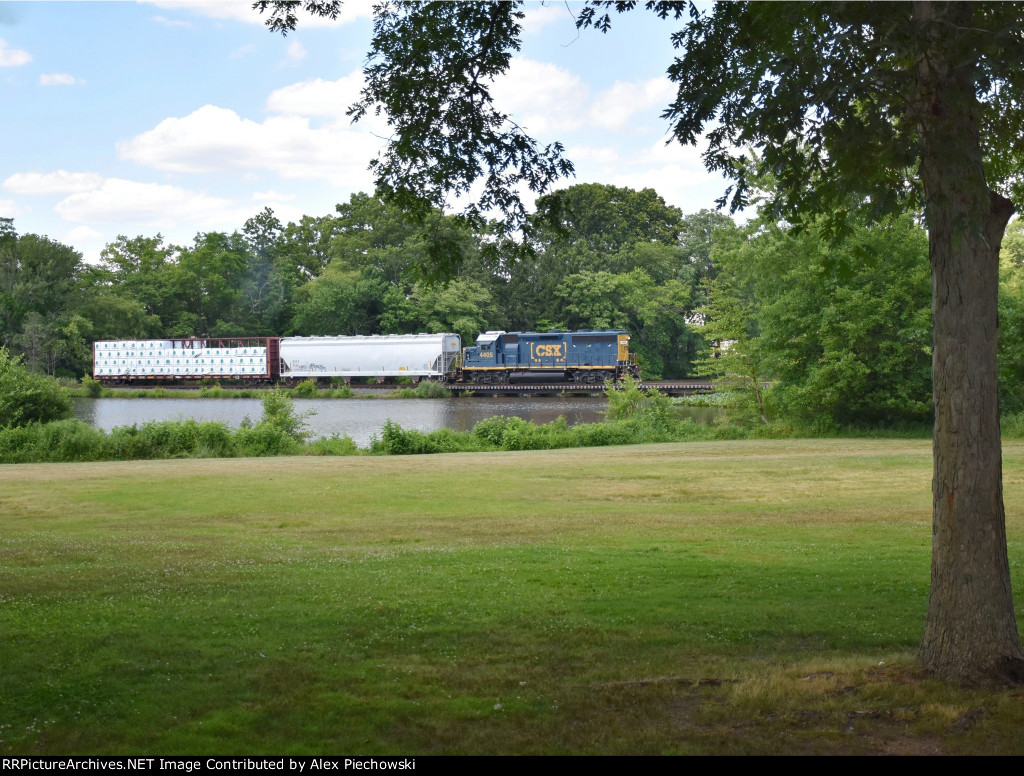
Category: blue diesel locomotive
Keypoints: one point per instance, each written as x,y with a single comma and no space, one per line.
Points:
586,356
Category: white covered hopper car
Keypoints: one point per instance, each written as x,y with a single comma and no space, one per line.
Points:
422,356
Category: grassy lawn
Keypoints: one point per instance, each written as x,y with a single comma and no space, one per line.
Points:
727,597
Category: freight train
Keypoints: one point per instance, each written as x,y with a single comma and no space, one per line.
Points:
498,357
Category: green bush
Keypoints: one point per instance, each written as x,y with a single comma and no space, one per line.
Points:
26,397
627,401
170,439
395,440
60,441
129,443
1012,425
73,440
93,388
279,413
492,430
306,388
601,435
521,434
334,445
265,439
428,389
512,433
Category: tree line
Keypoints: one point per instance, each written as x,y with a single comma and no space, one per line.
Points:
615,257
840,331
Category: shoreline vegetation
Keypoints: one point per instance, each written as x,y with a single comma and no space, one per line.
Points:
282,431
633,417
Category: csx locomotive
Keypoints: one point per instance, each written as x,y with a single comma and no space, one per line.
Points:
587,356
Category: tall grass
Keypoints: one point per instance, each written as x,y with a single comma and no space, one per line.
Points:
281,431
73,440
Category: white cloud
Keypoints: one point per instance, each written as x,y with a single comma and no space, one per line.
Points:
284,210
272,196
675,171
545,98
83,234
237,10
688,189
317,97
87,241
242,51
241,11
10,209
540,97
296,52
10,57
58,79
614,108
213,139
58,182
171,22
670,151
599,154
540,16
147,205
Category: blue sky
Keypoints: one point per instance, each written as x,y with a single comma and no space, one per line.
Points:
180,117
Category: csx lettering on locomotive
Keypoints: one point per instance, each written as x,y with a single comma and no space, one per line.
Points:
546,351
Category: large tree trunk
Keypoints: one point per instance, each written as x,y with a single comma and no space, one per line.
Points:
970,631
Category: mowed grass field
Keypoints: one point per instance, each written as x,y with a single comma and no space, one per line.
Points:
727,597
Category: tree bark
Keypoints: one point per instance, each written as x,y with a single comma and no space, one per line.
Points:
970,631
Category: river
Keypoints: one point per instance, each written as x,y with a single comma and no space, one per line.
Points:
357,418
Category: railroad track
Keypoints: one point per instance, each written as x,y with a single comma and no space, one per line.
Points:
670,387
